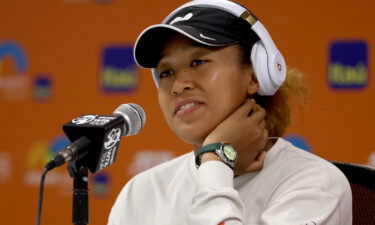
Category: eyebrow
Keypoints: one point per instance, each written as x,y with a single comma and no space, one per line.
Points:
194,45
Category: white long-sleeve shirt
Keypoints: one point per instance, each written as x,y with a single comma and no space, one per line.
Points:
293,188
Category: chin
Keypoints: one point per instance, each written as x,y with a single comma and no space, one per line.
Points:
192,133
192,137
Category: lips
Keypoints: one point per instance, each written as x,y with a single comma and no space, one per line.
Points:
186,106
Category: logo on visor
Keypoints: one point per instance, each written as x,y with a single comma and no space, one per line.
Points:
203,36
179,18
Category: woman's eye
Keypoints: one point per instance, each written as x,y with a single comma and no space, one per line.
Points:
165,73
197,62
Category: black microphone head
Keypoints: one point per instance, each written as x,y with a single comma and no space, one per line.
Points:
134,116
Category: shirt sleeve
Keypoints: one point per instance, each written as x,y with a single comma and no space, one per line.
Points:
215,201
307,206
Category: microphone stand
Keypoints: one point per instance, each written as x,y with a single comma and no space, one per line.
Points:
79,173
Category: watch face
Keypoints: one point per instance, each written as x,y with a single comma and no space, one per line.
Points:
229,152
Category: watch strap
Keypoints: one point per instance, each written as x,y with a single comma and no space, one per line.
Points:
207,148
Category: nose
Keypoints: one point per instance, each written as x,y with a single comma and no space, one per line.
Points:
183,81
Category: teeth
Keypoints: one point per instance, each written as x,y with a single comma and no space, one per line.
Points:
187,106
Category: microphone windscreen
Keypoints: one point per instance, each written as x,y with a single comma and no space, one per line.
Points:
134,116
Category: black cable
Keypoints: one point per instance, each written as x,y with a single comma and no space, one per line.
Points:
54,162
41,190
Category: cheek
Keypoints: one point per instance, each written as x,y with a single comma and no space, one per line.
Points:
228,86
162,102
165,105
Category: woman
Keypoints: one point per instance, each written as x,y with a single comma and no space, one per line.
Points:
221,88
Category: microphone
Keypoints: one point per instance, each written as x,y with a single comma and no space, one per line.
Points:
96,138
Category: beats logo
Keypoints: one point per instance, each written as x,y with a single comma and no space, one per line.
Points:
279,67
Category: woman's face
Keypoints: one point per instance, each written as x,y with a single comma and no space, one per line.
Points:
200,87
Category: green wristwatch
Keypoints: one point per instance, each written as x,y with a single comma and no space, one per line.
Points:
225,151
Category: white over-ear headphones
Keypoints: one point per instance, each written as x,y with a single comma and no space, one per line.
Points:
267,62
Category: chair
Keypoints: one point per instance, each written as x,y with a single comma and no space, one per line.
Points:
362,182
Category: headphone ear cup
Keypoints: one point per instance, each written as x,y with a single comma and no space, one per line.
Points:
259,61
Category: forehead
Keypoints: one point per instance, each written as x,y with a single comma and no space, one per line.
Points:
178,42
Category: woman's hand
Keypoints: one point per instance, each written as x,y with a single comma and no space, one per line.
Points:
245,129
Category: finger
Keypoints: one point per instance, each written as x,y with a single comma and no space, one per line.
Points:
258,162
257,108
258,114
260,157
264,139
262,124
245,108
251,110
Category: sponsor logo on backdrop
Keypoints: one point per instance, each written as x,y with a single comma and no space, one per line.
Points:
371,159
42,88
146,159
5,167
100,184
38,155
299,142
103,1
118,72
14,84
348,65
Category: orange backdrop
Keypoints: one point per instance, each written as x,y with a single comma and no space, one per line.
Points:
60,59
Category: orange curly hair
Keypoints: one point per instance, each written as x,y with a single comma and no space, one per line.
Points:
278,106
